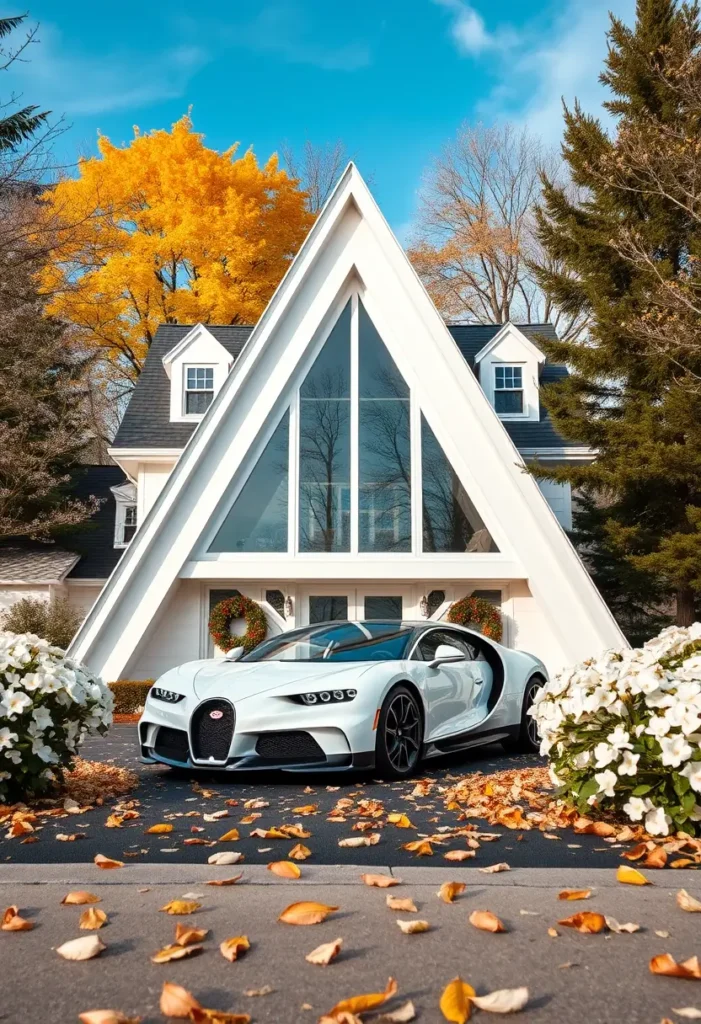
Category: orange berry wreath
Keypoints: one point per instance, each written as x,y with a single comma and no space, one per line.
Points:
240,607
477,611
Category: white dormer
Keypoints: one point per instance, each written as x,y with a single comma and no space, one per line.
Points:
509,369
125,517
197,367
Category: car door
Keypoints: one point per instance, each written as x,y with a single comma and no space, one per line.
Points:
449,687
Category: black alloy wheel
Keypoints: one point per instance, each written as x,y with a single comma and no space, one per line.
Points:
527,741
399,734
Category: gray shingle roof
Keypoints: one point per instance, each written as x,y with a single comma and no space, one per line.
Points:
27,563
146,423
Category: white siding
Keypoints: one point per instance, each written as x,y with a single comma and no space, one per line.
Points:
559,498
530,630
152,479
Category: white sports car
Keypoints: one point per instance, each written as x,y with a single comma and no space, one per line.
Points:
335,695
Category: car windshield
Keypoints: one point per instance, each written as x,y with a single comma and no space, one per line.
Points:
337,641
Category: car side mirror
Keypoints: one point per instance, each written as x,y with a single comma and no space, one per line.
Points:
234,654
444,652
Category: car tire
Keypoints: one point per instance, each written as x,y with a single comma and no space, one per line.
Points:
527,741
399,734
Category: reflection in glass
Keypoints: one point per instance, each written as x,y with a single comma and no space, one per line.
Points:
384,451
383,607
450,520
324,446
327,609
257,521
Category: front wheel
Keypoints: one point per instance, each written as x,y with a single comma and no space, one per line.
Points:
528,740
399,734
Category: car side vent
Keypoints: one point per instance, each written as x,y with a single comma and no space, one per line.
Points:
293,746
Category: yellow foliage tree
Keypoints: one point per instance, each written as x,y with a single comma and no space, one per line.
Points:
166,230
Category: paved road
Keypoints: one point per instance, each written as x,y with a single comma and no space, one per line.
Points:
163,793
573,978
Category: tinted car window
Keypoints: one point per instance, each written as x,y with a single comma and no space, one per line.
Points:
429,643
342,641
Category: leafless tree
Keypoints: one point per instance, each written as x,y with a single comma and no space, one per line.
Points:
317,167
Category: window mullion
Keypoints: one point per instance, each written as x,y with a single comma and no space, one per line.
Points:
354,415
416,479
293,478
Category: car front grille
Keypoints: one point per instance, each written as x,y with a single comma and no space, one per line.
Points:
172,743
293,746
211,737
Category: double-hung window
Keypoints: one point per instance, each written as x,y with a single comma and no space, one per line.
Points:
199,389
508,390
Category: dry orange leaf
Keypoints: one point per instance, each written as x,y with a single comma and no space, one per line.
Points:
306,913
631,876
486,921
306,809
400,820
450,890
586,922
421,847
363,1003
284,868
106,1017
107,863
666,964
231,949
553,933
230,837
455,1004
494,869
380,881
405,904
458,854
413,927
92,919
176,1001
79,898
202,1016
181,907
224,881
12,922
174,952
186,935
356,841
325,953
574,894
158,830
687,902
636,853
656,858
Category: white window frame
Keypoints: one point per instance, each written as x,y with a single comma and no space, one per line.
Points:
120,522
523,414
186,390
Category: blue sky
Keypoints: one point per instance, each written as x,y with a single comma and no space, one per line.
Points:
392,78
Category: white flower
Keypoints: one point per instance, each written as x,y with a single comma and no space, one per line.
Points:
675,749
658,726
5,775
636,808
15,702
629,764
657,822
7,738
582,759
14,756
42,718
604,754
607,782
32,681
619,738
692,772
44,751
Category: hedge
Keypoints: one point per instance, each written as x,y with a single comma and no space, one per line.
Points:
130,695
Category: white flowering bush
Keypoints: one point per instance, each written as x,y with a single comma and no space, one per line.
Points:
48,704
623,732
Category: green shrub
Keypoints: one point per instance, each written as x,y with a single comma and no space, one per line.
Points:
56,621
130,695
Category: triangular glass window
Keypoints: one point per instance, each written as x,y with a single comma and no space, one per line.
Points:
451,523
257,520
324,445
384,446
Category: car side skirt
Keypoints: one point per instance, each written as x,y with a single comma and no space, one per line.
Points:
471,738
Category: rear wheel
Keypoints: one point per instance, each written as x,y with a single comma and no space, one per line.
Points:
399,734
527,741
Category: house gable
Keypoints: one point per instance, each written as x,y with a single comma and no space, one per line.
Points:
349,252
509,368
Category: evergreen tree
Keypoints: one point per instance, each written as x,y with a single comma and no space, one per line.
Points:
640,520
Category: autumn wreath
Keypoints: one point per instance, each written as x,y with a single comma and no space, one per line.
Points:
239,607
477,611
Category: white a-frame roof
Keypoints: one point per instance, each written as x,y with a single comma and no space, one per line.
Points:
350,244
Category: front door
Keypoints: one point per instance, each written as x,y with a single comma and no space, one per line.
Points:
328,603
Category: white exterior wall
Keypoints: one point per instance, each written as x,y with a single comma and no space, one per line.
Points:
151,480
511,351
529,628
82,595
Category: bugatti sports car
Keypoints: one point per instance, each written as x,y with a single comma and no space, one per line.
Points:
372,694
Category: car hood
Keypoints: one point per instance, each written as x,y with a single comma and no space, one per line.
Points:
214,679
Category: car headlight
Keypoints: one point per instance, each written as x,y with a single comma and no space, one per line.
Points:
324,697
169,696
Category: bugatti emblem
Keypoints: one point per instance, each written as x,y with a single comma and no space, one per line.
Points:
216,714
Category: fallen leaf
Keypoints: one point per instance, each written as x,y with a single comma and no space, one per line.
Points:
636,853
656,858
107,863
12,922
224,881
687,902
356,841
421,847
175,952
306,913
216,816
380,881
181,907
231,949
689,1012
256,804
401,1015
84,948
411,927
299,852
325,953
284,868
403,903
230,837
363,1003
225,858
574,894
264,991
450,890
493,869
613,926
458,854
186,935
553,933
61,837
504,1000
631,876
666,964
586,922
92,919
455,1002
662,934
400,820
306,809
486,921
176,1001
202,1016
106,1017
79,898
158,830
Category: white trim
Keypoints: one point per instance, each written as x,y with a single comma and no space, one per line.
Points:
195,334
510,328
145,454
349,567
354,426
559,453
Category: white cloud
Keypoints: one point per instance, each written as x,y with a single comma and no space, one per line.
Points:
469,31
281,29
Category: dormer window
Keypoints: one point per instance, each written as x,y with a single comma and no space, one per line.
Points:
125,516
199,389
129,525
508,390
